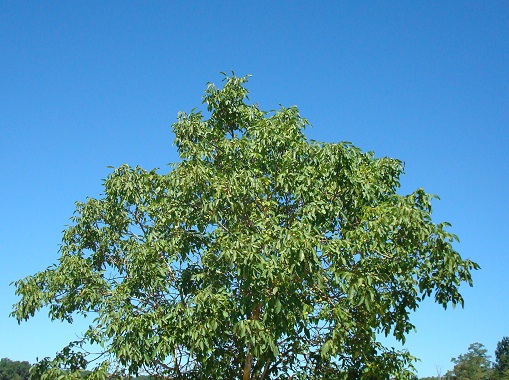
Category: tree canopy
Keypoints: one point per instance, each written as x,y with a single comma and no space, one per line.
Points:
260,255
14,370
475,364
502,358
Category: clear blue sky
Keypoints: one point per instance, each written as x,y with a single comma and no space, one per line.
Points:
87,84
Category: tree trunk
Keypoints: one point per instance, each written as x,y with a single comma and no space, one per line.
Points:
247,364
255,315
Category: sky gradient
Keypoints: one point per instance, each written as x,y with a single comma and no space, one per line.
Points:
86,85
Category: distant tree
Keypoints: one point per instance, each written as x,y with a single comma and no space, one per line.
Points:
261,255
14,370
501,365
474,365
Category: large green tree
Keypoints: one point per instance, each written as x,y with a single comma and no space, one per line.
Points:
260,255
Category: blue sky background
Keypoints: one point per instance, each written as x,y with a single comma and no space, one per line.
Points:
87,84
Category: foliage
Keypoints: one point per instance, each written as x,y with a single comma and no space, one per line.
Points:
260,255
14,370
501,366
475,364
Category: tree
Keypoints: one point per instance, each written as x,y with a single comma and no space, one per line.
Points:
260,255
474,365
13,370
501,366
